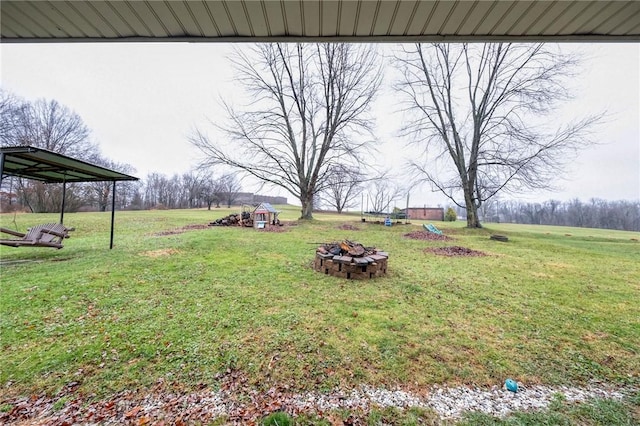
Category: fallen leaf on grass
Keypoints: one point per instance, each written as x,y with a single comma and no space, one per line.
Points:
132,413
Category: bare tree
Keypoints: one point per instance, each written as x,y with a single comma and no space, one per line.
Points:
343,185
192,188
10,107
228,187
209,191
473,110
156,191
623,215
382,193
48,125
309,113
100,192
128,192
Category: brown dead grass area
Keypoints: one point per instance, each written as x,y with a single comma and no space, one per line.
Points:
541,275
559,265
592,337
274,228
426,235
160,253
454,251
348,227
182,230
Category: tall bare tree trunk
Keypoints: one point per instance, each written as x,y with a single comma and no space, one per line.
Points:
307,207
473,221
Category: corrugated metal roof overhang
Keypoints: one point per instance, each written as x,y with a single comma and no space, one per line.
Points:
328,20
43,165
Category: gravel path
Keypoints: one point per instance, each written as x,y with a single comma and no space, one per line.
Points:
247,408
453,402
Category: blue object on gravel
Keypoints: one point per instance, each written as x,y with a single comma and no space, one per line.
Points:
511,385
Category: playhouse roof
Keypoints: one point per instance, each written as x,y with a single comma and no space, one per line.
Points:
266,207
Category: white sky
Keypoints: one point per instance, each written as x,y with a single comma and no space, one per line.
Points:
141,101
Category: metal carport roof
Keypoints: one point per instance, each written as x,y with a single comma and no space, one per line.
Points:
47,166
312,20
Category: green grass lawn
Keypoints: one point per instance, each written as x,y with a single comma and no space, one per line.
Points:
554,305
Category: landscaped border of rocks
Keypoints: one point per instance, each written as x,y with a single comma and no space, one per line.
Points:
166,407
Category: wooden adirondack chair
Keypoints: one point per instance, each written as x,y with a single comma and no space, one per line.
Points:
46,235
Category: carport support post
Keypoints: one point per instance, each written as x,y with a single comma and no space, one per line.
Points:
113,212
64,196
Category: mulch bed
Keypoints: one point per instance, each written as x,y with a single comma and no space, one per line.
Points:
181,230
426,235
454,251
280,228
274,229
348,227
163,405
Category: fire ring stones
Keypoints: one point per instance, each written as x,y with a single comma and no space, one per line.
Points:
350,260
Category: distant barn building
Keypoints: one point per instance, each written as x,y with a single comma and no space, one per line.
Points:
251,198
425,213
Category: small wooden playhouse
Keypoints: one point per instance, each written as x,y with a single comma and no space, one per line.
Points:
265,215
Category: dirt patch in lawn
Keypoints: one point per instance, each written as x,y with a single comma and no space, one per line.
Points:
454,251
181,230
559,265
160,253
282,227
426,235
274,228
348,227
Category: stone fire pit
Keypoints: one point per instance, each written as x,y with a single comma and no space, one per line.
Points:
350,260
